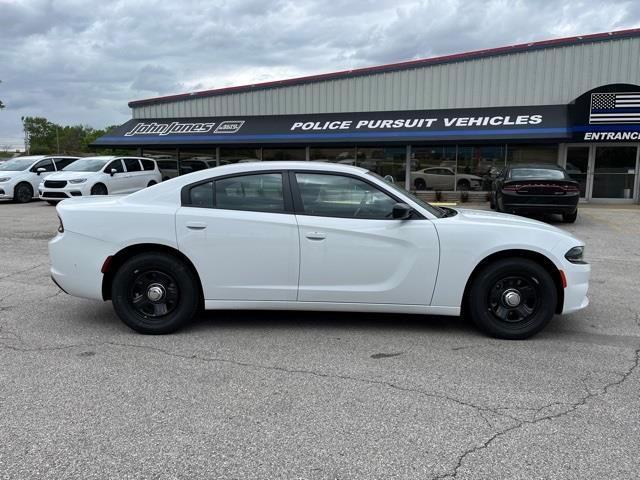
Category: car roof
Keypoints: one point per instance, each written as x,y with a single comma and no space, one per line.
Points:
547,166
287,165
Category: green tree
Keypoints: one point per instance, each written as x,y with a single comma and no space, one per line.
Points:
41,135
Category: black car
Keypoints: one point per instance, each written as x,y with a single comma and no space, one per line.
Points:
536,188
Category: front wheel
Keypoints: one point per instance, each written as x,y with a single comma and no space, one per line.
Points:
155,293
23,193
512,298
99,189
53,202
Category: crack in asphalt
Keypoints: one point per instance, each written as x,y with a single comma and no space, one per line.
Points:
582,401
12,274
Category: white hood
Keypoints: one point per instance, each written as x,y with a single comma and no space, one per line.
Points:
70,175
495,218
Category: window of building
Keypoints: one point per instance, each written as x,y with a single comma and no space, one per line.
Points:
477,166
269,154
385,161
537,153
196,160
433,167
346,155
239,155
257,192
342,196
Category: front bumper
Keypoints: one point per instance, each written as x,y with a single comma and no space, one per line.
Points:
69,191
575,293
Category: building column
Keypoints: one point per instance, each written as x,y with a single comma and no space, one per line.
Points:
407,168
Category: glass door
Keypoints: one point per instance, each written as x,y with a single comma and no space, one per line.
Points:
614,172
578,166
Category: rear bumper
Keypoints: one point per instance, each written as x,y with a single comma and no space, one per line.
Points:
541,203
76,263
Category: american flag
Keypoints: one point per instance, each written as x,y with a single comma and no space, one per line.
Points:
615,108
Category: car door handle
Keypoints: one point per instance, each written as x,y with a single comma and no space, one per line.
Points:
315,236
196,225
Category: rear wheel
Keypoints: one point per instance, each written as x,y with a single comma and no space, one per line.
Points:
420,184
23,193
570,217
155,293
463,185
513,298
53,202
99,189
151,183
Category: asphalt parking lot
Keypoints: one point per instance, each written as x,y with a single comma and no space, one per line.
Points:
316,396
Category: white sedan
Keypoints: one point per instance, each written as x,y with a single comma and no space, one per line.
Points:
311,236
102,175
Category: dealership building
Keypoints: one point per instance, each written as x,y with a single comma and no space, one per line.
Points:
438,124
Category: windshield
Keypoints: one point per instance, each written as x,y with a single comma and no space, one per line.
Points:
16,164
438,212
537,174
86,165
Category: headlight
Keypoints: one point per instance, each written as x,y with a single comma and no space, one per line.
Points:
5,179
78,180
575,255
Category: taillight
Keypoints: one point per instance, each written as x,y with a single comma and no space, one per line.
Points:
60,226
571,188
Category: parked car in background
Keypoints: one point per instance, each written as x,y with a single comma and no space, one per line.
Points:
20,176
311,236
443,178
536,188
102,175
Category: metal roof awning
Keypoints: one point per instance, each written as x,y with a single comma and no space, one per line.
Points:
475,124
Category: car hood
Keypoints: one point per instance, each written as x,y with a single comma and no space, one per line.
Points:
70,175
505,219
12,173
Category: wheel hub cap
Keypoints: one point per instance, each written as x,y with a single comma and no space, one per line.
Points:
155,292
511,298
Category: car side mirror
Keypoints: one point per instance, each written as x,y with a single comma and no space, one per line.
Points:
401,211
40,170
113,171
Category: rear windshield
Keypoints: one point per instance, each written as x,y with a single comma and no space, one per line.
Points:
537,174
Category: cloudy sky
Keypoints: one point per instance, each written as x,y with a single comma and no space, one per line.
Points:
81,61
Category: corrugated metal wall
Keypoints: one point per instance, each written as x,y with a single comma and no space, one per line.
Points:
541,77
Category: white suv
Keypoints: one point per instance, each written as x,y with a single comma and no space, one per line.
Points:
20,176
103,175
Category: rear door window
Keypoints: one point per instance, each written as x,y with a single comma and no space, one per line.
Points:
132,165
257,192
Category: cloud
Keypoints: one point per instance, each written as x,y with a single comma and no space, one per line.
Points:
81,61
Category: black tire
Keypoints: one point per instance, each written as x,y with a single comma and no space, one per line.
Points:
165,179
464,186
570,217
151,183
99,189
487,303
492,203
53,202
420,184
180,300
23,193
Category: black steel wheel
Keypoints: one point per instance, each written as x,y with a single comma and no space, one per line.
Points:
155,293
23,193
512,298
99,189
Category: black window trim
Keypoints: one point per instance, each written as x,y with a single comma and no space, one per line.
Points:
299,207
286,191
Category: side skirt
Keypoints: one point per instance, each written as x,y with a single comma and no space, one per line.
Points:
330,307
